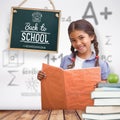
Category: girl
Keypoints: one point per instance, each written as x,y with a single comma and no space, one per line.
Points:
82,36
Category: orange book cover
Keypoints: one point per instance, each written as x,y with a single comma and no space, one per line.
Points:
68,89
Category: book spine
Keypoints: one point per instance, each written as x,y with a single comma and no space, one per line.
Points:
113,85
106,102
104,94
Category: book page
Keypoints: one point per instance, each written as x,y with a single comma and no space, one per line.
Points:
53,88
78,86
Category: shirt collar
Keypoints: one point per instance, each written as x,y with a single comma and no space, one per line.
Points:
90,58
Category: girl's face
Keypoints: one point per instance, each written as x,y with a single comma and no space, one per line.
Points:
81,41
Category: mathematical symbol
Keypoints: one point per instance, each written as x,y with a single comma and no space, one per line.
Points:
63,19
106,13
32,84
11,83
53,58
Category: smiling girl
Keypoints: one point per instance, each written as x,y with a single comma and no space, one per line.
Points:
82,36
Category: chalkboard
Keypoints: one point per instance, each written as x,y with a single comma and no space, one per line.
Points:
34,29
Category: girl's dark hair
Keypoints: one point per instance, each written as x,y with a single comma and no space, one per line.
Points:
85,26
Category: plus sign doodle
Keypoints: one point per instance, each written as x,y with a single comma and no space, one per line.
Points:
53,58
90,8
48,57
106,13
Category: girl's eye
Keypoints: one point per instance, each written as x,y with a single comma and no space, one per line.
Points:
81,37
72,40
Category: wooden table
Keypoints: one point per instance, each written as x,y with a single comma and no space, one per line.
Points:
40,114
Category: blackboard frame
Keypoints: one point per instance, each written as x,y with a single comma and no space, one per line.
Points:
34,29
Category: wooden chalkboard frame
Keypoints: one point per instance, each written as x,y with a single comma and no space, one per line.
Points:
34,29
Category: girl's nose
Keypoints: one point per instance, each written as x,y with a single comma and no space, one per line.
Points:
78,42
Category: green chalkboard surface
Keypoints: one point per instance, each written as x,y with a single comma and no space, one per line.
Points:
34,29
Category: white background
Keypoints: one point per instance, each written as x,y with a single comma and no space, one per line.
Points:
19,87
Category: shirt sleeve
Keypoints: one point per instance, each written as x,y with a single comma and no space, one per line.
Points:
62,63
105,70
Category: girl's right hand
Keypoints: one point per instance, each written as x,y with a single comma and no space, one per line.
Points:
41,75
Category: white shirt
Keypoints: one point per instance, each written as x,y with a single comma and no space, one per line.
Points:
78,63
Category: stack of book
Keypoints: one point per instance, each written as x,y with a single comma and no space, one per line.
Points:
106,103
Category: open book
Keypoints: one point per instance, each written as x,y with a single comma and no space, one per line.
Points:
68,89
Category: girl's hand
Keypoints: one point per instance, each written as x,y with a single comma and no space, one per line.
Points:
41,75
102,81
